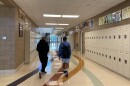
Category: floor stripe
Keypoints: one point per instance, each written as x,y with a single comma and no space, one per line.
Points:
22,79
17,82
63,79
76,70
55,77
94,79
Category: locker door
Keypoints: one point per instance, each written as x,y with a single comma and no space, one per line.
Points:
126,64
113,38
126,38
120,62
100,56
110,59
115,60
120,38
103,57
106,38
106,58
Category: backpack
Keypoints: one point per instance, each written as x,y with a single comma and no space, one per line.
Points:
66,51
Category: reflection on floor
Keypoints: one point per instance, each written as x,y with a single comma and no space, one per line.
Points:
82,72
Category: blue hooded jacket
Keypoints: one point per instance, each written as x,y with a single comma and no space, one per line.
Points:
60,54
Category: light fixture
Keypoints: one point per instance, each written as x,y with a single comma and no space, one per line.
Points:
63,24
55,24
59,28
51,15
70,16
51,23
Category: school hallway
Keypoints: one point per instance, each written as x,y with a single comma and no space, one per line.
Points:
98,32
82,72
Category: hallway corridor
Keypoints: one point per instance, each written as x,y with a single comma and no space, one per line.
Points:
82,72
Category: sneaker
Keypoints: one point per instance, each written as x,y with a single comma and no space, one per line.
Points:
66,74
64,71
44,72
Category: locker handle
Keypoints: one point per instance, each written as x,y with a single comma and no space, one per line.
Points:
110,57
119,60
125,61
114,36
119,36
114,58
125,36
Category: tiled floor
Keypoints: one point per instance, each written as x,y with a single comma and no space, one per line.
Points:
91,74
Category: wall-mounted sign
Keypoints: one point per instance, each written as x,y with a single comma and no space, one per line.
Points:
20,30
116,16
91,23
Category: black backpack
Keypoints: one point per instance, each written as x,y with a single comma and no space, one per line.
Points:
66,51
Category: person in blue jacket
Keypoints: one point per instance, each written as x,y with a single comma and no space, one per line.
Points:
65,54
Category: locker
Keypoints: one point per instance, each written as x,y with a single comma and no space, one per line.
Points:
115,60
100,56
119,38
110,64
113,38
126,64
126,38
120,62
106,38
103,57
106,58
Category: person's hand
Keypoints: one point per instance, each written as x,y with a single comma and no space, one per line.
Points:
59,58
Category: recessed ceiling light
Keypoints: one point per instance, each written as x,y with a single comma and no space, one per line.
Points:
55,24
63,24
70,16
51,15
51,23
59,28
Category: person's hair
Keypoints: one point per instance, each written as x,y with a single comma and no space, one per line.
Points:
43,38
64,38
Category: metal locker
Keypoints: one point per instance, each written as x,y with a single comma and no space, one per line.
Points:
120,38
113,38
103,57
106,58
115,60
120,62
126,63
126,38
110,59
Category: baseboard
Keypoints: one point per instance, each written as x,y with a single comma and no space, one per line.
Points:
11,71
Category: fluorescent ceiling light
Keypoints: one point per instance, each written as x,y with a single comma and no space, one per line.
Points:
51,15
59,28
55,24
63,24
70,16
51,23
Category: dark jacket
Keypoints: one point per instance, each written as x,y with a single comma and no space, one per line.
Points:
43,47
60,53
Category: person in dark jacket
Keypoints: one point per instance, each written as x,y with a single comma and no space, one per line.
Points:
43,49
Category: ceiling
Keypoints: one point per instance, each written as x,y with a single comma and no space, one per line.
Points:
85,8
1,3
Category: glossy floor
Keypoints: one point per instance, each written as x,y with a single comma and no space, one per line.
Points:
82,72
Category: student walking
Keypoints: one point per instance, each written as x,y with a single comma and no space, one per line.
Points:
65,54
43,49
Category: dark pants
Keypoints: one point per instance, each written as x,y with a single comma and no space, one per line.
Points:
43,60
